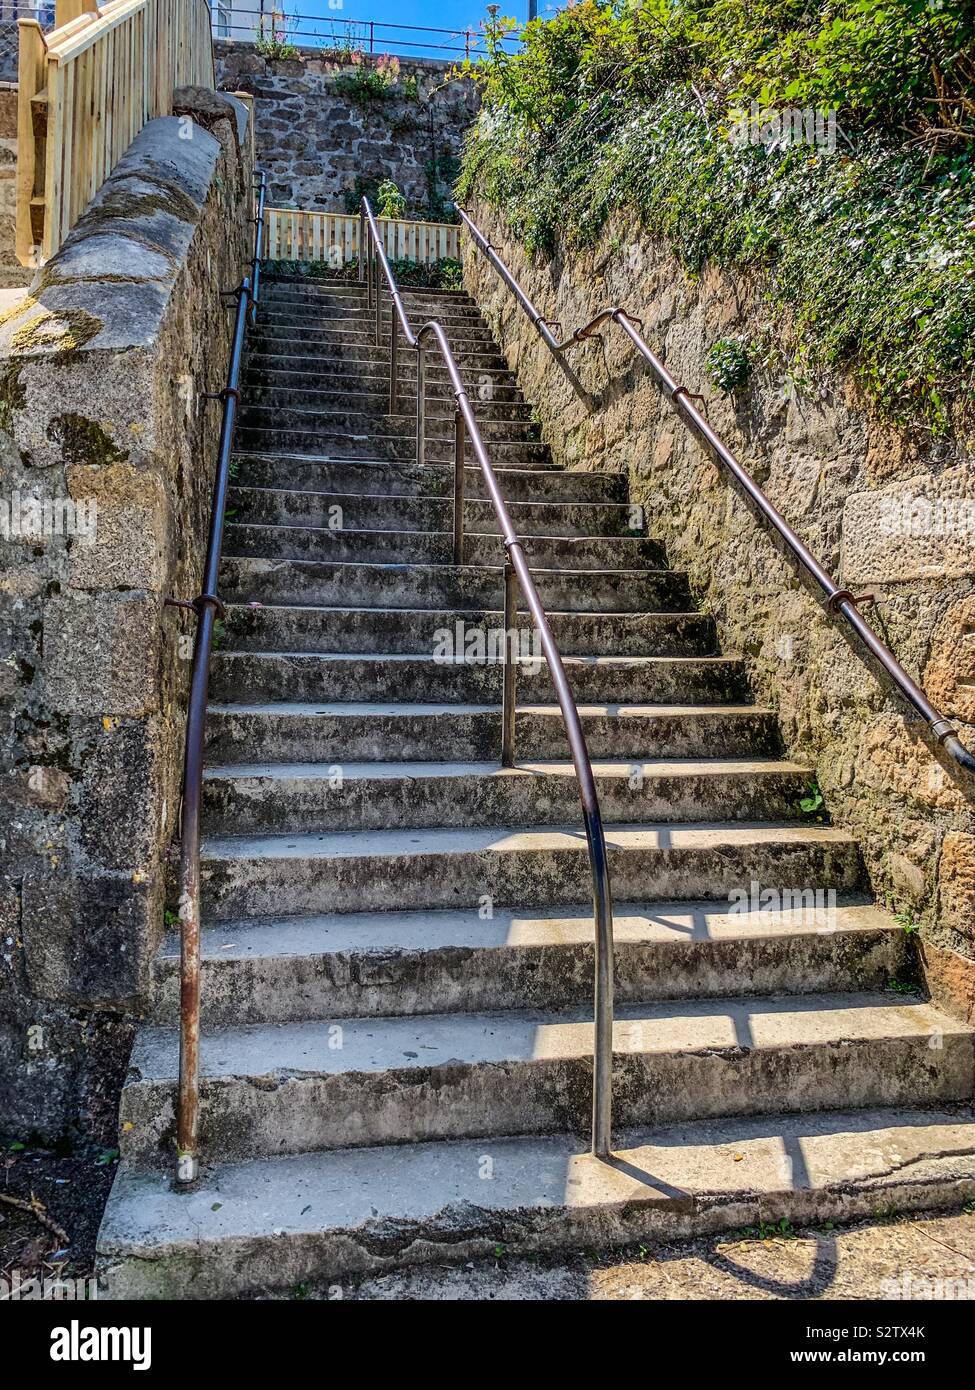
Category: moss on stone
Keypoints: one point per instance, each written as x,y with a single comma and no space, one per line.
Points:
15,310
13,395
84,441
64,330
120,202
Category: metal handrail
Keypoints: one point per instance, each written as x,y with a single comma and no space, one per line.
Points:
207,607
373,264
837,600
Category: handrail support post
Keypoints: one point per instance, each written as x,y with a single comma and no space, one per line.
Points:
421,404
508,694
459,481
393,356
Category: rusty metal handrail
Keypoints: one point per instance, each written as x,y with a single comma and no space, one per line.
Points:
207,607
837,600
373,263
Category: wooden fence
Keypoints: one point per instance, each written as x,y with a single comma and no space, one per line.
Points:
86,89
294,235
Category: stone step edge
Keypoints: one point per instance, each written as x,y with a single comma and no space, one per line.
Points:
278,1223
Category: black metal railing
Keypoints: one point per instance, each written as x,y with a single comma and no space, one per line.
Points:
837,601
374,269
343,38
208,608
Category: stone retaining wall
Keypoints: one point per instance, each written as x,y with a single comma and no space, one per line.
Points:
885,513
322,146
102,373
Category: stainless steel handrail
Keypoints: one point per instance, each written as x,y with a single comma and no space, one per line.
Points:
837,600
373,264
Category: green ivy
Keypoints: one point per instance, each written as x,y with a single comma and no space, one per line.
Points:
728,364
868,249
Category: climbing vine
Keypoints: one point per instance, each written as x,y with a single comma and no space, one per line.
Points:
864,226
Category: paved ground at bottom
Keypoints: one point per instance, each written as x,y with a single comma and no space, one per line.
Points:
923,1257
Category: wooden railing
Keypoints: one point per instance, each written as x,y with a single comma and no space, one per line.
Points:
86,89
296,235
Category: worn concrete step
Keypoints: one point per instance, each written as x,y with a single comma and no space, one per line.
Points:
296,343
256,677
300,1087
379,511
448,586
352,291
423,299
358,311
281,875
291,732
368,424
309,474
286,969
355,307
481,378
345,330
277,438
374,547
373,399
313,1220
273,798
451,632
317,374
347,292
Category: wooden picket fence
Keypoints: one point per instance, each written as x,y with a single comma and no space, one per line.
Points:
86,89
293,234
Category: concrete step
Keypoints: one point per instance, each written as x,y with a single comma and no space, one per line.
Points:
374,401
295,342
345,330
382,512
273,437
257,677
341,419
528,867
352,292
291,732
318,374
424,632
274,798
370,368
539,484
313,1220
269,1090
353,308
447,586
286,969
349,293
373,547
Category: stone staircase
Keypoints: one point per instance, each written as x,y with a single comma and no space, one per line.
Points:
398,938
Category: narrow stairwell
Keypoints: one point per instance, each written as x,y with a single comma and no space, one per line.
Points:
397,987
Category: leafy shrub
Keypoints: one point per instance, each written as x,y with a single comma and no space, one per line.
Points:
271,39
368,82
391,201
728,364
869,249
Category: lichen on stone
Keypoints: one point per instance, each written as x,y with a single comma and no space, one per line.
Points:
66,330
84,441
120,202
13,395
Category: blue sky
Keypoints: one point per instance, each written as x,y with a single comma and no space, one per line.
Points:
444,14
